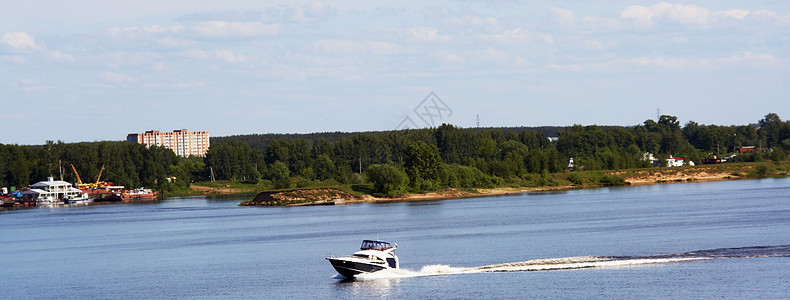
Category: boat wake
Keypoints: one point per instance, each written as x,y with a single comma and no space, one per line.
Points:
585,262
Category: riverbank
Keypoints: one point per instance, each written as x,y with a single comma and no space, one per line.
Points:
703,173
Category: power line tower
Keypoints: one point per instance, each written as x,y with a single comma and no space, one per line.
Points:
658,114
478,120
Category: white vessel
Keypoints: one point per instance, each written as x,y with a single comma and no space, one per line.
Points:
81,199
373,256
55,192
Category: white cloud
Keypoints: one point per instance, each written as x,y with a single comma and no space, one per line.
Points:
196,54
21,41
690,15
564,16
492,55
739,14
229,57
518,36
17,59
750,58
337,46
593,45
191,85
473,21
28,85
61,57
118,78
747,59
222,29
221,55
119,59
310,12
143,31
425,34
449,57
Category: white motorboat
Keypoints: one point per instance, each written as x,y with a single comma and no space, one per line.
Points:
373,256
79,199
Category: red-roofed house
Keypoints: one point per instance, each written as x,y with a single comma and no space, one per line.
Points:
674,161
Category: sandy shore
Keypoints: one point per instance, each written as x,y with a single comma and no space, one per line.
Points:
640,177
634,177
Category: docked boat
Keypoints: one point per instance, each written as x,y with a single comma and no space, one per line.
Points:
373,256
139,194
54,192
106,193
78,199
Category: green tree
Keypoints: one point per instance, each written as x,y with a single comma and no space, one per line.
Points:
422,165
280,176
387,179
324,167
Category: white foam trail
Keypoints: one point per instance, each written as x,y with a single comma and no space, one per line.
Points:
576,263
441,269
565,263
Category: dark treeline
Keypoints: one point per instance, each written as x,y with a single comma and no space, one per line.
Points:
261,141
129,164
400,161
478,157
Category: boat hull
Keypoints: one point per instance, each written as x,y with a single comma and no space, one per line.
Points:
350,268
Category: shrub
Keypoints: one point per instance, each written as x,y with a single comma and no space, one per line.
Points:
762,169
612,180
576,178
387,179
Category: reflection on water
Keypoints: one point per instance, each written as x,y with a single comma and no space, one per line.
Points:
366,288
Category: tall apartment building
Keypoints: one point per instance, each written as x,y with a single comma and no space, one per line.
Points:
182,142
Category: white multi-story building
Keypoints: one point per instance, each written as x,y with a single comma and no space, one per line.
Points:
182,142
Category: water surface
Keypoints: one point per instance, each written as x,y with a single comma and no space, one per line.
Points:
691,240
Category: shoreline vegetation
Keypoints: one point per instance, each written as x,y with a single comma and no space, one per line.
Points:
410,164
339,195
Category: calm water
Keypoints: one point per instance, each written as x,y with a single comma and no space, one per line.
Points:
207,247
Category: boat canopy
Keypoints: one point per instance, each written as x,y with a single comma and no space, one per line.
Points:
376,245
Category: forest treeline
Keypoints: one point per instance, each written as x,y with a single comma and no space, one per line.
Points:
128,164
395,162
448,156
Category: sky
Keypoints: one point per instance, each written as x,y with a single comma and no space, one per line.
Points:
86,70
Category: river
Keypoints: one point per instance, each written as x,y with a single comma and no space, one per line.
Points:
724,239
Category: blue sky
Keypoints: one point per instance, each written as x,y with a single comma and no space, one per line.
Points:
98,70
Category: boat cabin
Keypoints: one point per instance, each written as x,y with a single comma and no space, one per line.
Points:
376,245
51,191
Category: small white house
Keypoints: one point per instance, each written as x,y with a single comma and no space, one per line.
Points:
674,161
651,158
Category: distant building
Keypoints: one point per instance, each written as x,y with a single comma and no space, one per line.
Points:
652,159
182,142
743,149
674,161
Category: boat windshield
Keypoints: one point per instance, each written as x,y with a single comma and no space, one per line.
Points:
375,245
